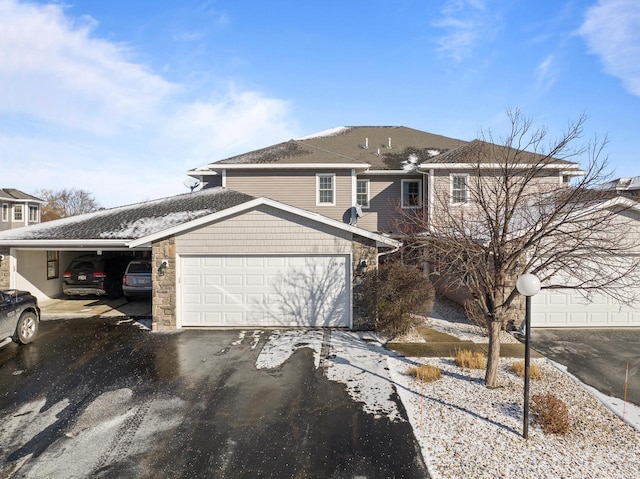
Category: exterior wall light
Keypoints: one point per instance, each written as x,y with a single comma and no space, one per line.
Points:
163,267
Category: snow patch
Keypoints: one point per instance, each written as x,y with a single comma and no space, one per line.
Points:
326,133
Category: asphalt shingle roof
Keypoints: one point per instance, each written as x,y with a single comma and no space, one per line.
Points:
381,147
13,194
133,221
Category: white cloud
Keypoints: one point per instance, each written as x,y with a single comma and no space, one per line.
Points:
79,111
466,23
546,74
612,31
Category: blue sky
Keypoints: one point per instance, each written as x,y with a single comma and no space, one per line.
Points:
120,98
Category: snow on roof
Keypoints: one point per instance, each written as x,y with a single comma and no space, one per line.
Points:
132,221
326,133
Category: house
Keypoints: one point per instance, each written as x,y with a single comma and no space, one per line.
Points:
365,175
220,258
624,186
276,236
18,209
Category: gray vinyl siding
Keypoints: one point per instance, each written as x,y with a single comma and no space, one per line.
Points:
294,187
384,202
265,230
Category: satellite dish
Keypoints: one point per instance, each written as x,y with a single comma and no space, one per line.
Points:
358,211
191,183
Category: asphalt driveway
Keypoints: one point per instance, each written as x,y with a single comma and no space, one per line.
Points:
103,398
597,357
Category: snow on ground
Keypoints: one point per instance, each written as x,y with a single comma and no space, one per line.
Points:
465,429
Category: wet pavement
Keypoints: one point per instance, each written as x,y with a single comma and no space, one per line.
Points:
103,398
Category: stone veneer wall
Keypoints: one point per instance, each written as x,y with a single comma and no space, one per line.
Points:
164,286
364,250
4,269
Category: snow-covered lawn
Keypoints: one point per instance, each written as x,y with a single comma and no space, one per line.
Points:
465,429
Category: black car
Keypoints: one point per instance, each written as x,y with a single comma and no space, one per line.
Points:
19,316
99,275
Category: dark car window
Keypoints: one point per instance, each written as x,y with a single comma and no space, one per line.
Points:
139,268
82,266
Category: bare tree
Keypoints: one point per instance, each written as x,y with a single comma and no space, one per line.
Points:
519,219
66,202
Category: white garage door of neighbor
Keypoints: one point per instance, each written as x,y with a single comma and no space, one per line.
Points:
568,309
265,291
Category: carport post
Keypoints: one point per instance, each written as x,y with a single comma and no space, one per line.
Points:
527,285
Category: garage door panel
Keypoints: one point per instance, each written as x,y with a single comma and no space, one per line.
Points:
569,308
268,291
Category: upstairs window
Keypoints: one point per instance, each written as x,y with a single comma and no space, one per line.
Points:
362,193
459,189
5,212
325,189
17,213
411,193
33,214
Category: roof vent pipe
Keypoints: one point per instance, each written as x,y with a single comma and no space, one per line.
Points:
366,143
389,143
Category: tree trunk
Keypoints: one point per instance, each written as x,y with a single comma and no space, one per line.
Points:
493,358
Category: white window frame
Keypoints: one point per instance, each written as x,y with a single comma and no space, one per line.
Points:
368,200
402,198
17,208
36,216
453,177
320,176
5,212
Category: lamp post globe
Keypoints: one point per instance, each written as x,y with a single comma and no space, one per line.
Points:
528,284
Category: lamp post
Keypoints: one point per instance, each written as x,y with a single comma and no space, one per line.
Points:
527,285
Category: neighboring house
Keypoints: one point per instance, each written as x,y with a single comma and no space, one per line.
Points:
381,169
18,209
624,186
220,258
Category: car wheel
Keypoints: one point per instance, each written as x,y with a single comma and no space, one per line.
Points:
27,328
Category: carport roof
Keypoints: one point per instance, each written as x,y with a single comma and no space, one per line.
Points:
126,223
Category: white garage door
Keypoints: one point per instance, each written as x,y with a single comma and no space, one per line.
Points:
568,309
265,290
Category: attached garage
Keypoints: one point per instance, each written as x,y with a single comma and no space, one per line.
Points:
569,309
266,290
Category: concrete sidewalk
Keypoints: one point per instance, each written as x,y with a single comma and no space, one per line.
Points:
442,345
94,307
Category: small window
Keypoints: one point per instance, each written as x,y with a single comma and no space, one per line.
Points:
53,264
325,189
5,212
459,189
411,194
33,214
17,213
362,193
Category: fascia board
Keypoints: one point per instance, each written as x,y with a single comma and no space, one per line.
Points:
57,244
213,168
495,166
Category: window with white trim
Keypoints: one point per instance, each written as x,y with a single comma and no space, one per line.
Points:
459,188
53,264
411,193
33,214
325,189
362,193
17,213
5,212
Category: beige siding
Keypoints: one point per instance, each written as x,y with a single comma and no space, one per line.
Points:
31,274
384,201
296,188
265,230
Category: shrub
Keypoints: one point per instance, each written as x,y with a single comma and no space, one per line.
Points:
425,373
551,413
467,359
534,370
393,293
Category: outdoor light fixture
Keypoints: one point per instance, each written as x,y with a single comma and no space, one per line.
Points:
527,285
163,267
